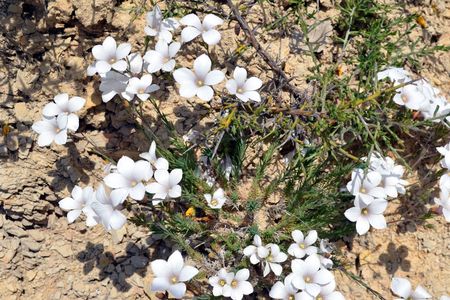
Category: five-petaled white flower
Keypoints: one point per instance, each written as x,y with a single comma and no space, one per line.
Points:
80,201
219,281
303,246
167,184
257,252
64,108
243,88
273,260
159,27
200,81
366,187
217,199
150,156
285,290
239,286
366,215
171,275
141,87
129,177
49,130
107,207
402,288
309,276
444,202
206,28
162,58
110,56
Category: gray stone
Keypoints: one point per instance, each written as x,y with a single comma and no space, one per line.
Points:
139,261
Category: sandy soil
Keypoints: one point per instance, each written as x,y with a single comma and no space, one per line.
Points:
45,50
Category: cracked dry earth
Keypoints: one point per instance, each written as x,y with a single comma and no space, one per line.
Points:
44,50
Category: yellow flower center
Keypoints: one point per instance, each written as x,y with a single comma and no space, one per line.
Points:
319,298
240,90
291,297
222,282
270,257
363,190
234,283
200,82
404,98
214,202
302,245
141,91
133,183
307,279
365,211
174,279
112,60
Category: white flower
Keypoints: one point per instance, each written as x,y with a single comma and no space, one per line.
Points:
239,286
412,97
141,87
243,88
257,252
365,187
217,200
129,177
171,275
444,297
308,275
285,290
445,151
390,172
166,185
273,260
327,292
200,81
113,83
108,56
159,163
218,282
80,201
107,207
402,288
444,202
159,27
303,246
162,58
50,130
65,108
136,62
206,28
366,215
397,75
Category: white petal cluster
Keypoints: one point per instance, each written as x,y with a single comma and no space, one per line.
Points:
121,72
171,275
419,95
58,118
444,183
159,27
229,284
371,188
270,255
199,81
216,200
243,88
195,27
402,287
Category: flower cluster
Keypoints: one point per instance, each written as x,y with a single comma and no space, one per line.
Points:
58,118
310,277
127,179
372,188
131,75
420,95
444,183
